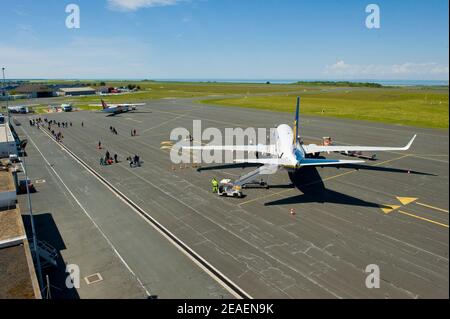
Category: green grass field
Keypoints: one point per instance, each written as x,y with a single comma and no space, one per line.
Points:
412,106
158,90
403,106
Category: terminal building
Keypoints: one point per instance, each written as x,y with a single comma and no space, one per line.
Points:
8,144
18,278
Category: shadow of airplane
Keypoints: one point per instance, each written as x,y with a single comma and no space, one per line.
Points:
121,114
228,166
381,169
309,182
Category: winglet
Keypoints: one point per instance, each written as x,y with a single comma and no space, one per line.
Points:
409,144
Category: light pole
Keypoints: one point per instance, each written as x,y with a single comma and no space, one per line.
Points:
4,89
33,229
7,108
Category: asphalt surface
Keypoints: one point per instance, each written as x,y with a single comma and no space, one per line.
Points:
339,226
95,230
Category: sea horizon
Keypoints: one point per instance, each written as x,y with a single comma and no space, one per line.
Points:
397,82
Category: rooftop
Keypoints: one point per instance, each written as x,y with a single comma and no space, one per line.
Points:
77,89
15,277
5,134
6,181
11,231
17,274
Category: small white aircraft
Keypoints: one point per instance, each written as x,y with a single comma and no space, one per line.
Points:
290,154
118,108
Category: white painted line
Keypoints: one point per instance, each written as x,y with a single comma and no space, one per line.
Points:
159,229
89,216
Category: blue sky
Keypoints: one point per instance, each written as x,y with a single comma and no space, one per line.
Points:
225,39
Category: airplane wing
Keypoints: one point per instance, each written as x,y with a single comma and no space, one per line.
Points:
110,106
265,161
267,149
305,162
116,105
311,149
133,104
323,162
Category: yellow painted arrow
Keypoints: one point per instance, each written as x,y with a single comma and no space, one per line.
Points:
389,208
406,200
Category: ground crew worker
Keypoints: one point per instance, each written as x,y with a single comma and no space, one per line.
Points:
102,162
115,159
215,185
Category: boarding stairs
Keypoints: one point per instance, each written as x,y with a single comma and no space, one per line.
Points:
259,176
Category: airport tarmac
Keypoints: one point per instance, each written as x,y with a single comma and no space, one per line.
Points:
392,212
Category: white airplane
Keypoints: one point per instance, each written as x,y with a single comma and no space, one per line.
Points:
290,154
118,108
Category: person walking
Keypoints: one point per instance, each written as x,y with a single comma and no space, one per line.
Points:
130,159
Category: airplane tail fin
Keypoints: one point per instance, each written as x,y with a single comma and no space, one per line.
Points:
104,105
297,115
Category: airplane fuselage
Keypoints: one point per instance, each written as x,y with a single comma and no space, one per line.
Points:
117,109
285,148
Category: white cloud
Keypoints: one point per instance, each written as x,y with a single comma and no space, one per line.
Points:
407,69
83,57
419,68
133,5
